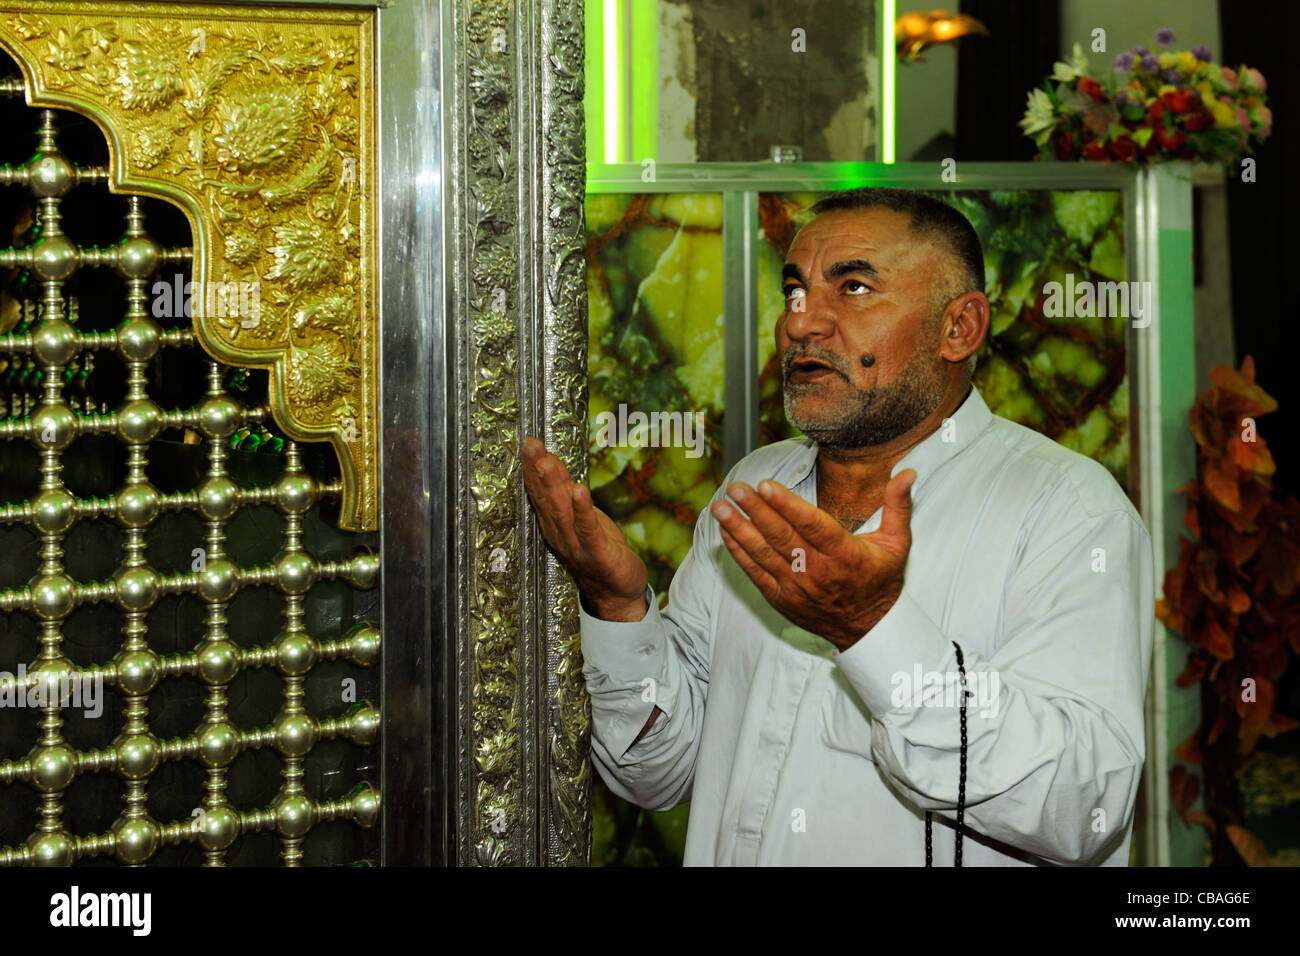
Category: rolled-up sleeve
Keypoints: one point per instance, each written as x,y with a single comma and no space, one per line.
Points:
1054,764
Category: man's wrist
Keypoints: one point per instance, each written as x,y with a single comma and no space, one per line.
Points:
619,611
885,600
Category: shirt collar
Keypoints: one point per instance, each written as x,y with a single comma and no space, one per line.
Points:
925,458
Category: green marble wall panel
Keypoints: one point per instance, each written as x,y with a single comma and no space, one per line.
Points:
654,284
655,323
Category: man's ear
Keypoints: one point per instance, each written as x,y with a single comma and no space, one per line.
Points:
966,322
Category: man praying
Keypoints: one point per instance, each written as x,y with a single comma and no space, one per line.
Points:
910,538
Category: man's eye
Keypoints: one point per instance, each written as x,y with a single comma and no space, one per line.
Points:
856,288
793,290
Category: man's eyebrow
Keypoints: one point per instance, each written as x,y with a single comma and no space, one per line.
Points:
852,265
861,266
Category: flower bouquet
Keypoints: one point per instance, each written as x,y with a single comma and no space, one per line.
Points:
1154,106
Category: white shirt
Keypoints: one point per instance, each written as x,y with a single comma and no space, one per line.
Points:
1025,553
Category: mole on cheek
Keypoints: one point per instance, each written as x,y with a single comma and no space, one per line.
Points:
868,361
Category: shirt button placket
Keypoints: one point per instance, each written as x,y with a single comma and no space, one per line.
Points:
789,682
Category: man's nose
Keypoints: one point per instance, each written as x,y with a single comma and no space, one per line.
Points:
807,317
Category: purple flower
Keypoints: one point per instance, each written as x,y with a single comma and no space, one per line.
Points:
1164,36
1149,63
1121,99
1140,51
1170,76
1124,62
1202,53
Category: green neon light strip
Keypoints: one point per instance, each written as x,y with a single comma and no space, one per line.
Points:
887,63
605,178
611,42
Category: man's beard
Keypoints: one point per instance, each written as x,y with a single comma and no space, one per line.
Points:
860,419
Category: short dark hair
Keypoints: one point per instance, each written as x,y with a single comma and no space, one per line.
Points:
930,218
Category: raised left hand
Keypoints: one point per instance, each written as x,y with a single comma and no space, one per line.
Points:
847,582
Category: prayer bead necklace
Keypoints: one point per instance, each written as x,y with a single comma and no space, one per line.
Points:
961,778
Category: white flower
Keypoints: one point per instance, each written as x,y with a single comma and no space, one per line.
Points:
1076,66
1038,113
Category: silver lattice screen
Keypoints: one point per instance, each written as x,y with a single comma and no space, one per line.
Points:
185,636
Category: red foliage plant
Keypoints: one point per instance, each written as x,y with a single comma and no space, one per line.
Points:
1233,596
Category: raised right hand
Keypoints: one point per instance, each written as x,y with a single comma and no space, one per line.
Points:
610,576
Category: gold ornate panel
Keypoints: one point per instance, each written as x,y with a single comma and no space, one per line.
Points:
259,122
263,124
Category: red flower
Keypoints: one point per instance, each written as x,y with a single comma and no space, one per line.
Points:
1094,152
1151,146
1199,121
1181,101
1123,148
1091,88
1156,110
1170,141
1063,145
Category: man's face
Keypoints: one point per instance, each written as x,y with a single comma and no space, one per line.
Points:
859,337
